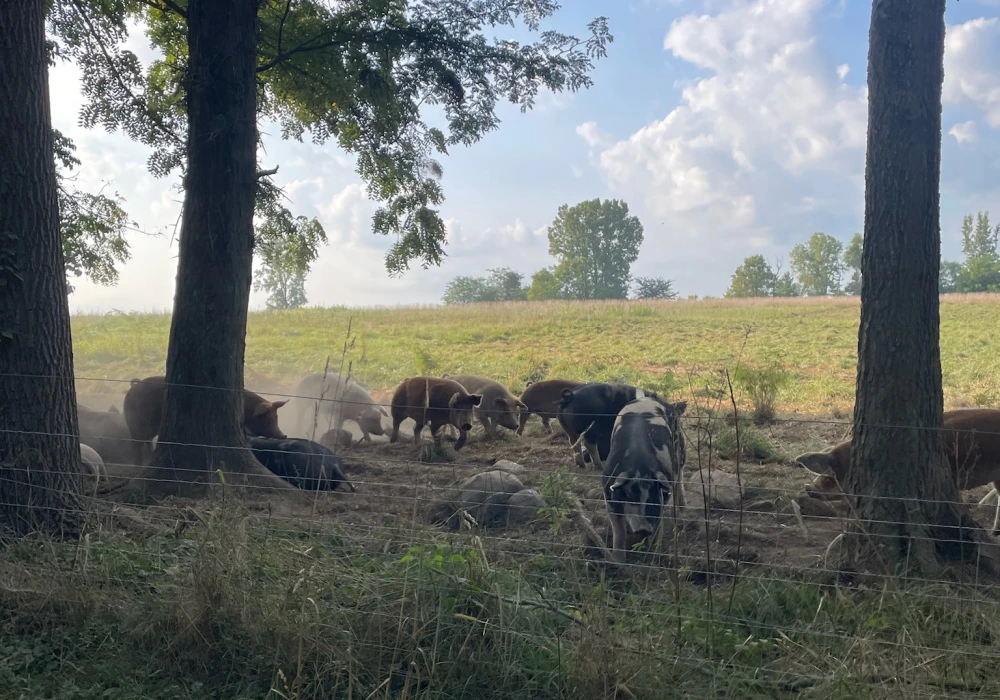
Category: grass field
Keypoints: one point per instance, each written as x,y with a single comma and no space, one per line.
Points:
357,596
665,345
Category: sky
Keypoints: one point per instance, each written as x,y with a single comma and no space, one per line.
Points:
730,127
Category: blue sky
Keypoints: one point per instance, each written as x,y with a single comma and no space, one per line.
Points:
731,127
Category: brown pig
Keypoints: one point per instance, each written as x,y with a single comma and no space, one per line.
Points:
436,402
143,409
543,399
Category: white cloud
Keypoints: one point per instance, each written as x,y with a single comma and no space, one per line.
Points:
972,54
964,132
594,137
775,108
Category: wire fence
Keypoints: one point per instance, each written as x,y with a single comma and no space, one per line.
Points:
493,566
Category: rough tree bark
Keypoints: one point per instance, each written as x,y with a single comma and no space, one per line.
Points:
904,492
202,427
39,453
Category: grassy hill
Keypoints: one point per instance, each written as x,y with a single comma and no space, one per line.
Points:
671,346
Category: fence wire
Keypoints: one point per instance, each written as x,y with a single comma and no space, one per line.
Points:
426,573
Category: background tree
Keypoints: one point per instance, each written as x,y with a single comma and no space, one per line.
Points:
595,244
951,273
654,288
285,247
904,491
852,261
817,264
753,278
980,271
545,285
39,453
786,286
502,284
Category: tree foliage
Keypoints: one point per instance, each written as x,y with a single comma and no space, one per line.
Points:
852,261
285,247
355,73
654,288
502,284
753,278
595,244
545,285
93,226
818,265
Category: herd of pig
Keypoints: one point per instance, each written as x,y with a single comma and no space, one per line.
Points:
632,435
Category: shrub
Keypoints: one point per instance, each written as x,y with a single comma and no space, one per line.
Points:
753,444
763,383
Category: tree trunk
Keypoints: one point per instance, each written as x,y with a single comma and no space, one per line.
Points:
39,453
202,428
905,494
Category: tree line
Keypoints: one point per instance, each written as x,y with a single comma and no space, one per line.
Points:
594,243
824,266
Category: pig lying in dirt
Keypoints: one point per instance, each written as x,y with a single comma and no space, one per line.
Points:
433,401
972,446
143,409
108,435
498,405
331,400
302,463
542,399
92,468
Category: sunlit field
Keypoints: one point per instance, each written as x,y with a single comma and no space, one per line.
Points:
671,346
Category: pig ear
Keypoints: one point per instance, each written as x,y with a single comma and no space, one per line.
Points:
523,406
382,409
278,404
476,399
453,401
500,401
680,406
262,408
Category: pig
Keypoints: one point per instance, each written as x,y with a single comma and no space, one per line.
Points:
92,468
587,415
108,435
435,401
542,398
645,469
498,406
302,463
338,400
972,447
143,409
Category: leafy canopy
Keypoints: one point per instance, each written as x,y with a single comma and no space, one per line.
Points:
503,284
92,226
753,278
817,264
595,244
654,288
357,72
285,247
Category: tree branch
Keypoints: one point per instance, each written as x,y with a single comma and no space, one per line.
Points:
167,5
267,173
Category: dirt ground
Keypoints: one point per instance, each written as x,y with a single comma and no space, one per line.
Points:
395,490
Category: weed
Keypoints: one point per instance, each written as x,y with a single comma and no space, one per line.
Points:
754,444
763,383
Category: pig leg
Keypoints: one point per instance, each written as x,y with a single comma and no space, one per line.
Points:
522,420
487,422
462,435
617,537
595,458
417,429
545,423
395,430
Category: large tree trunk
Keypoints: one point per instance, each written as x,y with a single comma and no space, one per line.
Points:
904,492
202,427
39,453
